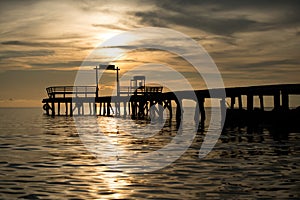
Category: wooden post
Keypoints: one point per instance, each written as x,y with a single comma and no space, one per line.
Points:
202,112
129,111
197,112
133,109
95,108
47,109
71,108
151,109
117,106
276,100
232,102
285,100
160,111
249,102
66,108
125,105
78,107
53,108
104,109
82,108
223,110
261,101
100,108
240,102
170,109
58,108
178,112
108,108
90,108
200,109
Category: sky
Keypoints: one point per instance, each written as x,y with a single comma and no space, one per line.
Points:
43,43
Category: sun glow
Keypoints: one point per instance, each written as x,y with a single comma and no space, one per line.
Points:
107,35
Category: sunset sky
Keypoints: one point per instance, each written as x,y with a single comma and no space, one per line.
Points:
42,43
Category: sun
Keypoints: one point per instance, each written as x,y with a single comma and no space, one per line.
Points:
107,35
112,40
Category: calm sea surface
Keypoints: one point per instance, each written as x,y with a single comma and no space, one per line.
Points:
44,158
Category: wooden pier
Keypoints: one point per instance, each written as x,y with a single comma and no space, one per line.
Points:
140,101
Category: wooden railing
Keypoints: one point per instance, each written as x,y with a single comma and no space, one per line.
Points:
71,91
140,90
90,91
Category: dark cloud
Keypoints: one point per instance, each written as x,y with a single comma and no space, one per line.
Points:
51,43
16,54
69,64
263,68
219,26
110,26
266,65
31,44
211,16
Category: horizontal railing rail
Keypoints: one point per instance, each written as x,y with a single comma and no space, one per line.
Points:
90,91
71,91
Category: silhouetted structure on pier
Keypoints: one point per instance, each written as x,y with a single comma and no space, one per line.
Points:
141,101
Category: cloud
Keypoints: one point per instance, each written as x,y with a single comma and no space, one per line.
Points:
222,17
63,65
266,65
35,43
219,26
110,26
16,54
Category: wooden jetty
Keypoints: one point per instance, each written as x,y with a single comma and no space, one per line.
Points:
141,101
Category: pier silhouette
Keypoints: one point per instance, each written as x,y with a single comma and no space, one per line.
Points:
141,101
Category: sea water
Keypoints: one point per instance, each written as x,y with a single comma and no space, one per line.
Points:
44,157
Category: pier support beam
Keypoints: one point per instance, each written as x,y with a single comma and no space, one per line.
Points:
58,108
95,108
179,112
66,107
82,108
160,111
124,106
240,102
53,108
71,108
78,106
133,109
232,102
129,110
47,109
202,112
108,108
104,109
90,109
261,102
249,102
99,112
117,107
168,105
200,109
285,100
277,100
223,110
152,110
170,110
